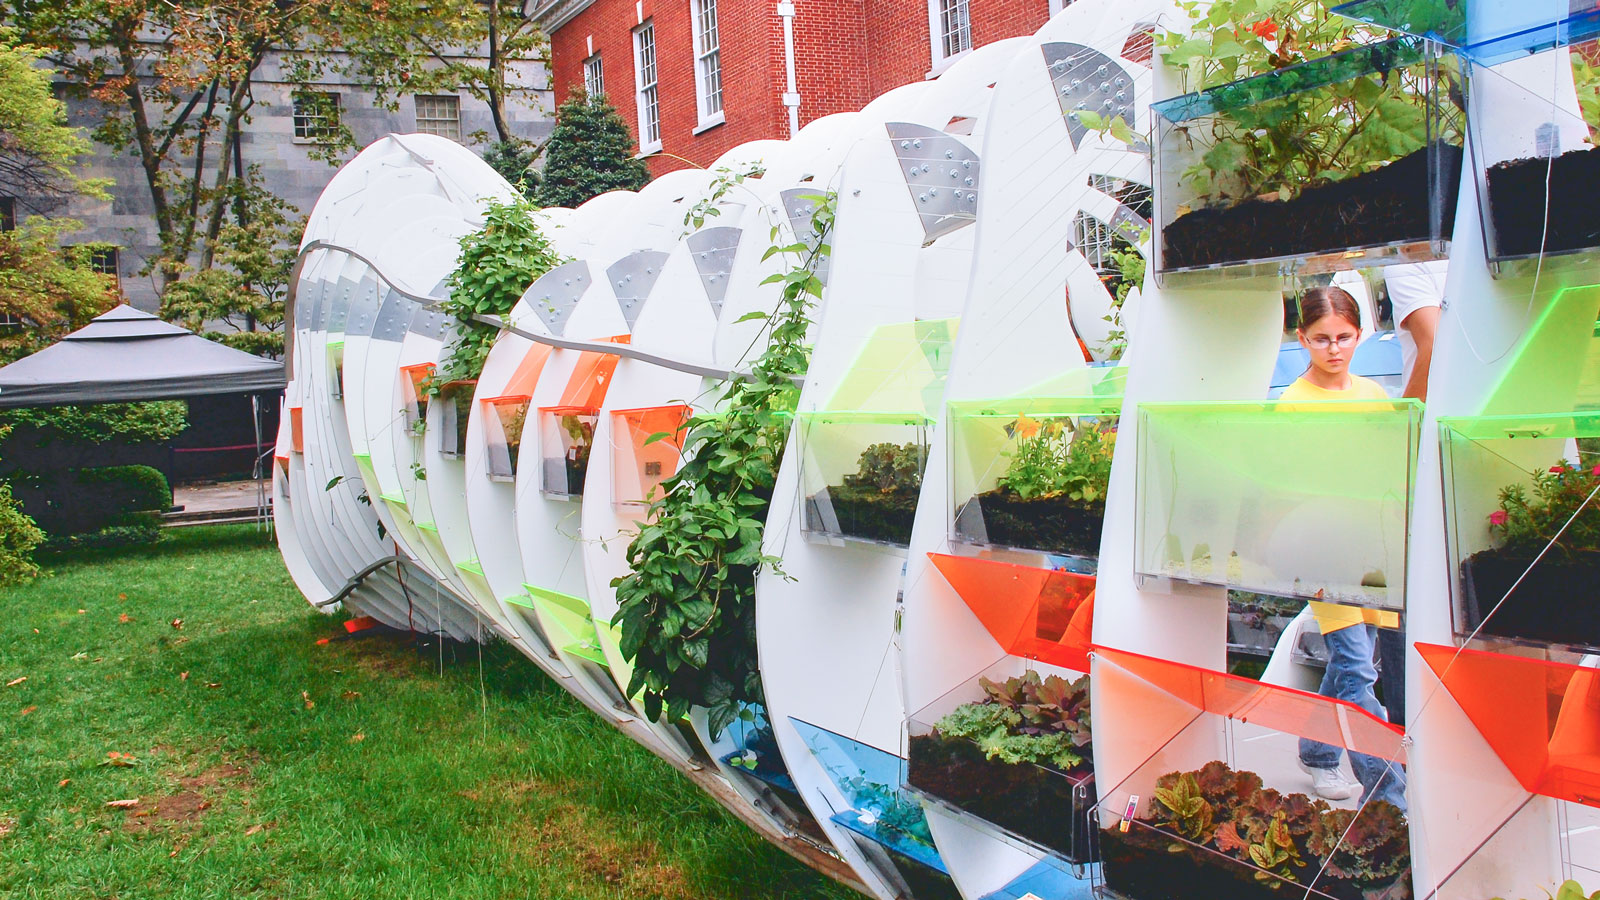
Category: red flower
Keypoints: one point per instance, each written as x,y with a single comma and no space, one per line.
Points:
1265,29
1498,517
1595,471
1557,470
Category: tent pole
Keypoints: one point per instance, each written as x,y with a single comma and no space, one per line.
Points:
261,493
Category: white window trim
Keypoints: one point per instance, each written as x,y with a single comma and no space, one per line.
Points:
1058,5
417,117
705,120
599,67
936,41
646,147
338,113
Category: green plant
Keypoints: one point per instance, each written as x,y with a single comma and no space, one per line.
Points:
1128,268
580,432
687,610
1586,77
590,152
1056,457
888,468
1273,147
19,537
725,180
514,160
159,420
1027,720
1180,804
1569,890
1370,846
110,537
1524,524
890,806
498,262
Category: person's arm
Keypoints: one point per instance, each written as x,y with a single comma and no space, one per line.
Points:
1422,323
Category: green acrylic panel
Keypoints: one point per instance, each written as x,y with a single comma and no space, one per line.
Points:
609,637
336,369
1556,365
1289,499
428,527
861,474
394,500
1015,463
899,367
472,566
569,613
590,651
1232,201
1512,482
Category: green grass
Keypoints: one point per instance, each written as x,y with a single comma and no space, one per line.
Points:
280,768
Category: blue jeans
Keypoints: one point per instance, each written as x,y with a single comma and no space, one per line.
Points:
1350,676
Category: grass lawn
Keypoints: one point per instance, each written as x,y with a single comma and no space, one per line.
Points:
255,762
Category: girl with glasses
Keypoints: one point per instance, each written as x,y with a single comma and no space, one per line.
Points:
1330,328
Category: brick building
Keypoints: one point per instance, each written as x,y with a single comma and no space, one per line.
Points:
695,78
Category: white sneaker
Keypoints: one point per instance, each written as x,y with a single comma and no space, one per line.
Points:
1330,784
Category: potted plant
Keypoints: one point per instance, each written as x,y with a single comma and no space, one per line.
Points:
1217,832
879,501
1300,140
1018,758
1539,601
1052,495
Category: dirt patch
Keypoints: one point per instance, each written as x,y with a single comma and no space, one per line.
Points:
386,655
194,796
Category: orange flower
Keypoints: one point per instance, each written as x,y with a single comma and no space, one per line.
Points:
1265,29
1026,427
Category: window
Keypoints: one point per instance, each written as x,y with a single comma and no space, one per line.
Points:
439,115
594,77
644,67
951,28
316,115
707,61
104,260
1094,238
8,214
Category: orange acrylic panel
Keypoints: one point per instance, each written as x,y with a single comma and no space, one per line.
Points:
297,431
591,376
638,464
416,395
1541,718
1042,614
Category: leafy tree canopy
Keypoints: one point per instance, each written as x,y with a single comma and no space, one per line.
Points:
590,152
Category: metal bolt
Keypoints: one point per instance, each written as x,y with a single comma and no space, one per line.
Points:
969,181
917,144
949,154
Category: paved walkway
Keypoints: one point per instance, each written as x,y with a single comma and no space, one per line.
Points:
222,501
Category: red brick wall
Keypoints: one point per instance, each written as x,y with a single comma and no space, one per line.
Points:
846,53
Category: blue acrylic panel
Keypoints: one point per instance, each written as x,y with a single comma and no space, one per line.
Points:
866,825
754,751
871,779
1488,31
1048,879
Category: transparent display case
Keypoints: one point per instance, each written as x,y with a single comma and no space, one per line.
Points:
1032,473
1217,806
646,449
503,430
1511,484
1290,499
565,435
1490,31
455,411
1013,756
1537,171
414,382
336,367
1290,171
861,474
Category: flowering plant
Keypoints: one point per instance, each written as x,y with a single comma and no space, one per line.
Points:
1529,517
1057,457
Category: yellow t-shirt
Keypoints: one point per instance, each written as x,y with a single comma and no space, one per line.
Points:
1333,617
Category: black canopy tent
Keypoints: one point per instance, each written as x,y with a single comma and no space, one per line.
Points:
126,355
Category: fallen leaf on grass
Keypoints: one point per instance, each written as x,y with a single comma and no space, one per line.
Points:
183,676
122,596
16,681
123,804
178,624
349,695
122,760
253,829
29,710
64,782
82,611
213,684
124,618
358,737
306,696
6,825
81,655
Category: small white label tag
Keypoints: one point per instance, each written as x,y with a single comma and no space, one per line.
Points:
1127,814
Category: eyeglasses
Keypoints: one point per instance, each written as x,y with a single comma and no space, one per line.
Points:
1323,342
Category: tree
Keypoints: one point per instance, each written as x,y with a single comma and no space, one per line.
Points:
507,34
590,152
514,161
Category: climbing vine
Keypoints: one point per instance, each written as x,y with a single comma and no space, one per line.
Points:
498,262
687,611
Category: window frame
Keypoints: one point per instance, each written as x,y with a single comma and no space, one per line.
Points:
707,64
108,261
647,95
940,55
594,76
305,132
8,214
417,102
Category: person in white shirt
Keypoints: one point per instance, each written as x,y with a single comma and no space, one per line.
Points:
1416,292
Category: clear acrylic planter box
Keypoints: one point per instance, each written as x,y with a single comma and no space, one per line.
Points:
1290,499
503,429
1541,719
1536,172
1489,31
639,464
1386,195
1036,805
565,435
336,367
413,384
1015,463
455,408
861,474
1550,461
1217,772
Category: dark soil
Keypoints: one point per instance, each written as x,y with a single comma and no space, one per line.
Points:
869,514
572,470
1139,864
1056,524
925,883
1554,603
1384,206
1034,802
1517,203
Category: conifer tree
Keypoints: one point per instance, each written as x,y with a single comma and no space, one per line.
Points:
590,152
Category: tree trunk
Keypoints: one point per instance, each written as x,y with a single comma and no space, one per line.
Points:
219,199
144,138
496,82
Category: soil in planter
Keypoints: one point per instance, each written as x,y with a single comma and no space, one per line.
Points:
1554,603
572,470
1058,524
870,514
1032,801
1517,203
1383,206
1139,864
